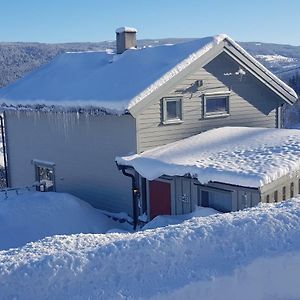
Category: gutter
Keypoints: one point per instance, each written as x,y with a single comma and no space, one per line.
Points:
4,149
135,193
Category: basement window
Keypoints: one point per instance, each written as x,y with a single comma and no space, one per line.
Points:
45,175
172,110
216,105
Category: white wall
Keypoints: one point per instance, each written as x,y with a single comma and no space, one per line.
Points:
82,147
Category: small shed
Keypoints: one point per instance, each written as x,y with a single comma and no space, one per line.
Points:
228,169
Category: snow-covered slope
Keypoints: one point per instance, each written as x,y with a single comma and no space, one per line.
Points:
252,254
282,60
30,216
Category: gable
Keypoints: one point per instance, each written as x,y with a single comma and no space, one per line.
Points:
244,111
250,64
265,79
248,86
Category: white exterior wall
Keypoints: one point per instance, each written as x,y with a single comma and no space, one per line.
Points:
83,149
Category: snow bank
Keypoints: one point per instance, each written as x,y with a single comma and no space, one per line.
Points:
32,216
236,155
166,220
264,279
248,247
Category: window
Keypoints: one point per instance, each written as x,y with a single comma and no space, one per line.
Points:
172,110
204,198
268,199
216,105
45,177
292,189
276,196
220,200
284,193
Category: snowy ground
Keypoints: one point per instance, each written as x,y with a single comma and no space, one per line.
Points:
252,254
31,216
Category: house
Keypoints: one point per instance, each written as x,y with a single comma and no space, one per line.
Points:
227,168
67,121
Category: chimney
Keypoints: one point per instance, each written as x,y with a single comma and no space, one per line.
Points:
125,38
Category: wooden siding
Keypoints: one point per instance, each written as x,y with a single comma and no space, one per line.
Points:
251,104
83,149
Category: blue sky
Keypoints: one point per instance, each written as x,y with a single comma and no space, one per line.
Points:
95,20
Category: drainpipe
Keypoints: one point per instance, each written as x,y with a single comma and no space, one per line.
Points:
4,149
135,194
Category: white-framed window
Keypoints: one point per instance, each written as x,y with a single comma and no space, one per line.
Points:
45,175
172,110
216,105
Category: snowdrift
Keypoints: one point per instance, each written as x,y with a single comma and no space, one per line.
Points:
33,216
257,250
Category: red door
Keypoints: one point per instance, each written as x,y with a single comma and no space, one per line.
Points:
160,198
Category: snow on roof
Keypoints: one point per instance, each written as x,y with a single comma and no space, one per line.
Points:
125,29
242,156
106,81
103,79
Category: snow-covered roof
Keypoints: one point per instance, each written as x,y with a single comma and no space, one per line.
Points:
242,156
106,81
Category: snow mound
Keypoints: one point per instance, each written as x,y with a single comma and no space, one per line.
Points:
259,247
166,220
33,216
236,155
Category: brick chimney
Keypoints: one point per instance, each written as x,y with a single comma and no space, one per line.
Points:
125,39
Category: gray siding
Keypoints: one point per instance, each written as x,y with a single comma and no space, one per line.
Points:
251,104
83,149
